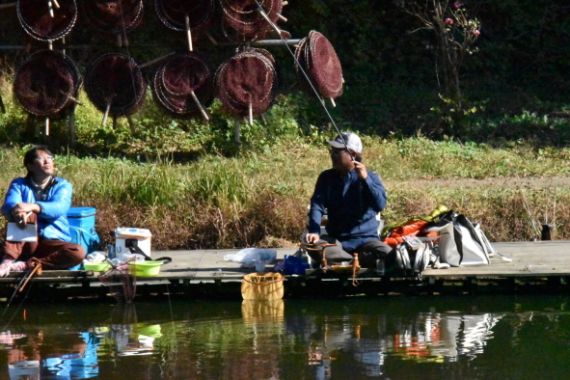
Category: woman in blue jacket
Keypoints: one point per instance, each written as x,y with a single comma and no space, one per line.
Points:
39,198
351,197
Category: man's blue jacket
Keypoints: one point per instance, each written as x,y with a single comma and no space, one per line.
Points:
52,220
351,205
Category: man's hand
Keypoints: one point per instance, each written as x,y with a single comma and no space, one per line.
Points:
360,170
23,210
312,238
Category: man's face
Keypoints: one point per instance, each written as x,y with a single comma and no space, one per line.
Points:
43,164
341,159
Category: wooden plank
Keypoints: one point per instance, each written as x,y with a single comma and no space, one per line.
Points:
538,259
51,276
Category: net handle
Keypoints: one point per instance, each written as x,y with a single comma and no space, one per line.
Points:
188,32
106,114
199,105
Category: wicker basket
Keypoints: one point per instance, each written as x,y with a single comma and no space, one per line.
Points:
267,312
262,286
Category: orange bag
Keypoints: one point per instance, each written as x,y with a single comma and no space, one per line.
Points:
413,227
410,228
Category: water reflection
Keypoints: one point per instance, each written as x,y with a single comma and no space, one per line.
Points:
277,340
370,339
53,354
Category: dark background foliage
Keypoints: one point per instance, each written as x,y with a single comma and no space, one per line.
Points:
523,62
521,67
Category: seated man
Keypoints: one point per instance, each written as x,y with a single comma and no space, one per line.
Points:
40,198
351,196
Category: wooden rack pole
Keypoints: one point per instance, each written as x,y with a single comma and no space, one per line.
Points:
260,43
7,6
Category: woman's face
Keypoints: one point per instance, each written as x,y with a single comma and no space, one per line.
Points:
43,165
341,160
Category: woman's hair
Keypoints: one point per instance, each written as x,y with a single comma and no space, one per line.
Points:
32,154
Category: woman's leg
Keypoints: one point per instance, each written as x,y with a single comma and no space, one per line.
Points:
11,251
57,254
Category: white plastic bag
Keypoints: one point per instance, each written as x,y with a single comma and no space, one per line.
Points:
253,257
95,257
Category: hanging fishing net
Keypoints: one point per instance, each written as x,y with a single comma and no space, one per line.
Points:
115,84
246,82
174,14
300,54
244,17
45,21
113,16
46,83
319,60
121,284
183,84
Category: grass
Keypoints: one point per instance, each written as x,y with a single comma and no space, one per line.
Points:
261,198
195,188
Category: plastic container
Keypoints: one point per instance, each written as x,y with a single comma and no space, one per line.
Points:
82,217
111,251
128,236
82,228
148,268
96,267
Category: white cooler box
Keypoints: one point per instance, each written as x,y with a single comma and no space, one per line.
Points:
141,235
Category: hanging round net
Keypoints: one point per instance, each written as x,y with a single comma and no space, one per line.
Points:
113,16
183,84
317,57
174,14
114,83
44,22
47,83
246,82
244,17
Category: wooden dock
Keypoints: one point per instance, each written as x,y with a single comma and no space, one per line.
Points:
542,266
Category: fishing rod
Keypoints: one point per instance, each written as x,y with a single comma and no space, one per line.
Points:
24,279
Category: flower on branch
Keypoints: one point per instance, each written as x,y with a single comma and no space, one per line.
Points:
455,31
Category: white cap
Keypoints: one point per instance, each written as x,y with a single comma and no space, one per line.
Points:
347,140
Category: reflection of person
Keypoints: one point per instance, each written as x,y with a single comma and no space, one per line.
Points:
70,356
51,354
40,198
351,197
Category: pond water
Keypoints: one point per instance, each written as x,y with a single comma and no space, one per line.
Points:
504,337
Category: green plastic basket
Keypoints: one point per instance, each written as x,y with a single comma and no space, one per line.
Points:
149,268
97,267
